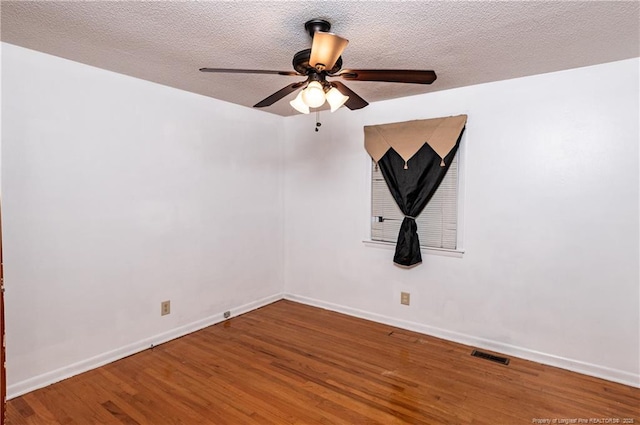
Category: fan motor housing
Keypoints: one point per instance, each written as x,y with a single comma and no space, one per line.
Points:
301,63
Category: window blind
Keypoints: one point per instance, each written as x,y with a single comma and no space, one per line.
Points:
438,222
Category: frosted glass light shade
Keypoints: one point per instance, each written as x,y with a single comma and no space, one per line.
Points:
313,95
299,105
336,99
326,49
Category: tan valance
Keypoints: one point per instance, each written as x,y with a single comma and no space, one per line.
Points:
406,138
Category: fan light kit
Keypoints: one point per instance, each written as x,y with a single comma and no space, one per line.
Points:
324,60
314,97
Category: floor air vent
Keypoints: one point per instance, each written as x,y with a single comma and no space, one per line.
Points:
491,357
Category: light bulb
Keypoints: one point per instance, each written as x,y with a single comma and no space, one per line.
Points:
299,105
336,99
313,95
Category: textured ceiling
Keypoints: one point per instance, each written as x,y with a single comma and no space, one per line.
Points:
464,42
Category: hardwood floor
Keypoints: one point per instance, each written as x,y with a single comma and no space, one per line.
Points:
288,363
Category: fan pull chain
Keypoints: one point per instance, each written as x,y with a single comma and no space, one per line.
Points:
318,123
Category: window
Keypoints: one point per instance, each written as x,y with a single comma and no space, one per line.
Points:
438,222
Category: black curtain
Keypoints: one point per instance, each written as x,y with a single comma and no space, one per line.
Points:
412,188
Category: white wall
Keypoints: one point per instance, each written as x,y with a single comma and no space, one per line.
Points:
550,269
118,194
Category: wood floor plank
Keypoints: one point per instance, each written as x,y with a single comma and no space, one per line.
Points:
289,363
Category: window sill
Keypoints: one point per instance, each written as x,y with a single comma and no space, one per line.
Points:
431,251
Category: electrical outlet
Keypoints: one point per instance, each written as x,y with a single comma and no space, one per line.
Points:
405,298
165,308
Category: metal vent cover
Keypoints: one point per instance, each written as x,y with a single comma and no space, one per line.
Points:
490,357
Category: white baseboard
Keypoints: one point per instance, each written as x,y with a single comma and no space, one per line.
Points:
40,381
578,366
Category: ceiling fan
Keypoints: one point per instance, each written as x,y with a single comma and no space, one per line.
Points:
324,60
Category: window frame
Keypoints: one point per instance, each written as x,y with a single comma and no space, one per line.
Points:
459,250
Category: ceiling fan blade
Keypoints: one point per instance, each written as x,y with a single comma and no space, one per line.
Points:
354,101
268,101
388,75
248,71
326,49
